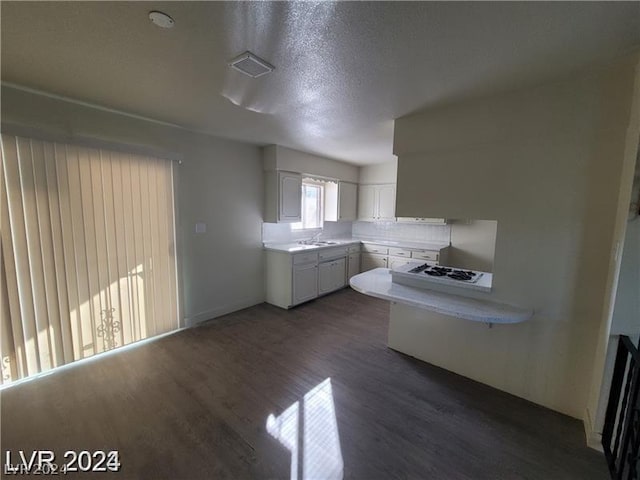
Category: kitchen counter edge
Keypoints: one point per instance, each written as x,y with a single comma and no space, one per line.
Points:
377,283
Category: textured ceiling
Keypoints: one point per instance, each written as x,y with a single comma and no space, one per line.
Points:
344,71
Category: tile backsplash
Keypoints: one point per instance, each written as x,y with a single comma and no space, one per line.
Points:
402,231
282,233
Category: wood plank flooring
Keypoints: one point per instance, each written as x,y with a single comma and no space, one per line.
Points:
194,405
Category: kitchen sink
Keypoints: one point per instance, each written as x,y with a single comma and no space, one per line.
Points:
320,243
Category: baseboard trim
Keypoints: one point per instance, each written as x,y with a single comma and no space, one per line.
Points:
593,438
220,311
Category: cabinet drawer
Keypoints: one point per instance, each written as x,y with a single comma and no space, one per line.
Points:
310,257
400,252
425,255
354,248
332,253
380,250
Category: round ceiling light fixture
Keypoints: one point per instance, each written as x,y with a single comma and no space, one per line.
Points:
161,19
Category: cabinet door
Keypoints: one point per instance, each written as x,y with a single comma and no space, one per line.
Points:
395,262
339,273
347,201
305,283
386,202
354,265
371,261
290,197
366,203
325,278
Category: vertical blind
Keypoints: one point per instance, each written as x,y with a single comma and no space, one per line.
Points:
87,260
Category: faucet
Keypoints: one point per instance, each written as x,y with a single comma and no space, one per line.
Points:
312,240
316,237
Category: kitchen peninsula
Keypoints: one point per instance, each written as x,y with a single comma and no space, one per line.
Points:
439,299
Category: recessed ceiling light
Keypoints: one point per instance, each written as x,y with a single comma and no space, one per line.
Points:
161,19
251,65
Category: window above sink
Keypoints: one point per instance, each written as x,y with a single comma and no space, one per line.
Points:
312,205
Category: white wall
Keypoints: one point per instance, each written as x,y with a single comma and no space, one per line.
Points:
379,173
547,164
220,183
277,157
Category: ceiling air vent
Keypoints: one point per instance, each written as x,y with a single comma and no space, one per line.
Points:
251,65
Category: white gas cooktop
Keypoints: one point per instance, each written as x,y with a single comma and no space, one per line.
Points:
424,275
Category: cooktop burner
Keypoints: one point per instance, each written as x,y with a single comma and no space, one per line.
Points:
452,273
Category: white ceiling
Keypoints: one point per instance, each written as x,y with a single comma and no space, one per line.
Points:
344,71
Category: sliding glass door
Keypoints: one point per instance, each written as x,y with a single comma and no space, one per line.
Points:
87,259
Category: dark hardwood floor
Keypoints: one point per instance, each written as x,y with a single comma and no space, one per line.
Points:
194,405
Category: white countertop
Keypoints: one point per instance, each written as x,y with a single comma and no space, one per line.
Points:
377,283
294,247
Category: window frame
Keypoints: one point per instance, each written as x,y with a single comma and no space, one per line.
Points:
299,226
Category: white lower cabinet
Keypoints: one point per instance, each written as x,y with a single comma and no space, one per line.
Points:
305,282
353,266
295,278
376,256
373,260
395,262
331,275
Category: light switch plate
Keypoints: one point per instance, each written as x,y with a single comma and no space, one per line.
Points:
201,227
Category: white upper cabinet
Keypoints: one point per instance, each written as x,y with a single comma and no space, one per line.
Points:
377,202
290,197
340,201
347,201
367,203
283,197
386,202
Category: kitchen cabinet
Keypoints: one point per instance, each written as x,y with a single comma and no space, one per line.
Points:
366,203
353,265
379,249
291,279
294,278
386,202
376,202
340,201
283,197
395,262
369,261
331,275
376,256
353,261
305,282
302,275
347,201
398,257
